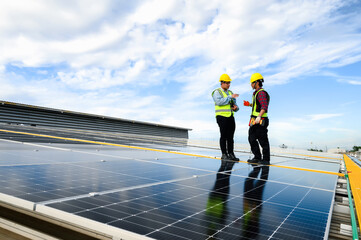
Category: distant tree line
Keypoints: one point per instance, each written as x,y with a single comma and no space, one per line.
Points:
355,148
315,150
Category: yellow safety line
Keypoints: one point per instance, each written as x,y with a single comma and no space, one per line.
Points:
109,144
314,156
354,174
159,150
310,170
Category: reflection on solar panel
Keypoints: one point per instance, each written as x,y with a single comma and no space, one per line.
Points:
148,194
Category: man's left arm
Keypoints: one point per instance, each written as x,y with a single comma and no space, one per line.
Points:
235,107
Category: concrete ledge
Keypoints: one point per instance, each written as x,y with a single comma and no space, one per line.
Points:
116,233
17,201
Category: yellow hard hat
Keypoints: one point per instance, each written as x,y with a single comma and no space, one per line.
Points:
255,77
225,78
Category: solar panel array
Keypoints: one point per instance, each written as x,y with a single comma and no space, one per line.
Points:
170,196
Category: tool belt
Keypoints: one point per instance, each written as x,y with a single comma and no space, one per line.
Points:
252,122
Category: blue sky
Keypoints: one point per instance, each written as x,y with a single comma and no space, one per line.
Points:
159,60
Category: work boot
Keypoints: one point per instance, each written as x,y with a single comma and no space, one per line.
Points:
253,160
233,157
225,156
264,162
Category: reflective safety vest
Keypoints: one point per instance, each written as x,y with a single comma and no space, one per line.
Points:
256,107
224,110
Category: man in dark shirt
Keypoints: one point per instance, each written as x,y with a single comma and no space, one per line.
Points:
259,121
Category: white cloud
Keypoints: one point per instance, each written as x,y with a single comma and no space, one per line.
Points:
354,82
343,130
351,80
91,79
317,117
163,32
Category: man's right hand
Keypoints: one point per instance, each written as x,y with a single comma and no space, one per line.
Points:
235,95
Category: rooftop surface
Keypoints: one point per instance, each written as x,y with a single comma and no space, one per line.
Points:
140,189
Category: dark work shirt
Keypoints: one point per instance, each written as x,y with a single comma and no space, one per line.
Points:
262,98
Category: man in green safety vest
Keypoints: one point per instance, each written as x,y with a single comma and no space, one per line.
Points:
259,121
225,106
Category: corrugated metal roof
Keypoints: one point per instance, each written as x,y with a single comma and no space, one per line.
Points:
21,114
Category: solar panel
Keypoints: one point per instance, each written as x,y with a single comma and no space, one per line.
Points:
167,196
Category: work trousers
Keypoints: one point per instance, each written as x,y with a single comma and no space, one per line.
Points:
258,134
227,126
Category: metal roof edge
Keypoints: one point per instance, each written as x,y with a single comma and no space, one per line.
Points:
74,220
90,115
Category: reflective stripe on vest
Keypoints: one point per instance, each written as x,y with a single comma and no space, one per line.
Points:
224,110
254,108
